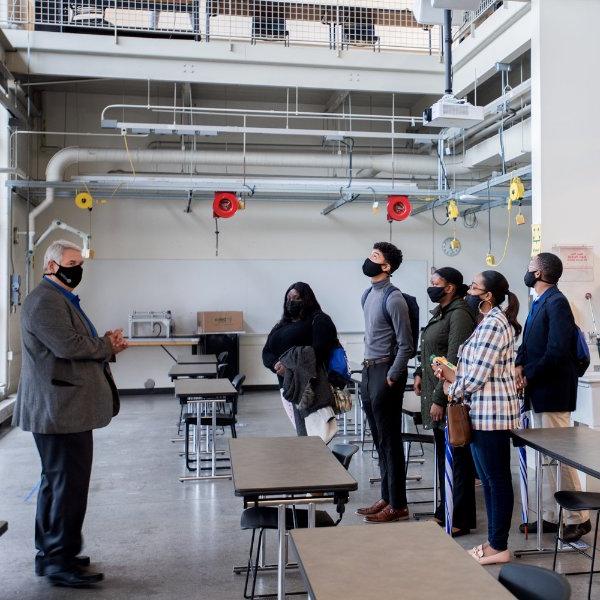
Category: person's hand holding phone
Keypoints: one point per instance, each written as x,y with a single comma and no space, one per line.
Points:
443,372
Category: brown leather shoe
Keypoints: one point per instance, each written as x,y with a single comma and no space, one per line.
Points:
372,510
388,515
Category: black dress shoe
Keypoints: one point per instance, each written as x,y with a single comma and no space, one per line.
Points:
74,578
78,561
572,533
547,527
460,532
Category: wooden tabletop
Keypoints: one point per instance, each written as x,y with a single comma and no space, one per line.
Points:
286,465
196,370
578,447
196,359
204,388
157,342
388,562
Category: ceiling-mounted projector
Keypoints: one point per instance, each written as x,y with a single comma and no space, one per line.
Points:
451,112
426,14
456,4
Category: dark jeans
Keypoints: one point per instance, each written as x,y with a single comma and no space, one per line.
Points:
62,498
491,454
383,407
465,512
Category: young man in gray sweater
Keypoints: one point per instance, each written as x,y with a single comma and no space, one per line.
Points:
388,348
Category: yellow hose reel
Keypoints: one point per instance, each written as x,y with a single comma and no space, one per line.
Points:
452,209
84,200
516,193
516,190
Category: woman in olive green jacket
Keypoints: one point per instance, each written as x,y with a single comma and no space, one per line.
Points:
452,323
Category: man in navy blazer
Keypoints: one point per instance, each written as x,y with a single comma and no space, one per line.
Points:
546,371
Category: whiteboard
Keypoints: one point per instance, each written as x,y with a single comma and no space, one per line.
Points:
112,289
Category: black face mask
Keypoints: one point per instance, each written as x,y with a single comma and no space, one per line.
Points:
371,269
70,276
530,279
435,293
294,308
473,302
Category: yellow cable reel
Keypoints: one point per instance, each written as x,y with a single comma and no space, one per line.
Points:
452,209
84,200
516,190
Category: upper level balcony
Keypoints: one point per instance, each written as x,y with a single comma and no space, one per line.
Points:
375,25
374,45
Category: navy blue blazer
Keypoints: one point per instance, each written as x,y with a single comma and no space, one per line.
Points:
548,355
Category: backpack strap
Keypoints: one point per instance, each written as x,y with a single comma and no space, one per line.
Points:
386,312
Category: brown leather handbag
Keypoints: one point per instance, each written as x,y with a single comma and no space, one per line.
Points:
459,423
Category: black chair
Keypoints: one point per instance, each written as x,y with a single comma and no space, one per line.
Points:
266,517
226,419
221,370
360,33
527,582
222,358
269,28
578,501
344,453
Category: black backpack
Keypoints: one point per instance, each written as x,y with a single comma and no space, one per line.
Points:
413,313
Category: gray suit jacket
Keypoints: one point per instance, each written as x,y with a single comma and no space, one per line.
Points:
66,385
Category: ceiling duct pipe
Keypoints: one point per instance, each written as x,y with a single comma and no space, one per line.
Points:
410,164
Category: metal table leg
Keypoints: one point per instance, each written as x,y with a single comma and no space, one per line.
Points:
540,514
281,559
210,443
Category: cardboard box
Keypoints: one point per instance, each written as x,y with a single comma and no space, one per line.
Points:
220,321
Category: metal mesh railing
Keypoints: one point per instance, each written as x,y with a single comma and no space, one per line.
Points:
472,18
337,24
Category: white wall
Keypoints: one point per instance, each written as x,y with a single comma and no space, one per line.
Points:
565,152
160,230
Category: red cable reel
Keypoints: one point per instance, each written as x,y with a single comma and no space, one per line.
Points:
398,208
225,205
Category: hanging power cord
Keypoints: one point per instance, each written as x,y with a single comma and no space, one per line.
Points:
188,208
445,174
435,219
470,218
128,153
216,236
350,147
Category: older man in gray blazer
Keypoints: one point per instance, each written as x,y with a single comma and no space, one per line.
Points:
66,390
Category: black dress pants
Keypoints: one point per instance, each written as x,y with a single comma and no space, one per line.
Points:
383,406
62,497
465,512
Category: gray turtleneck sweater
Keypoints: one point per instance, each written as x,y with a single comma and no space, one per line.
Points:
379,337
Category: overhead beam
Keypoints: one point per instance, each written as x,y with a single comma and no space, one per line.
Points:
475,189
336,100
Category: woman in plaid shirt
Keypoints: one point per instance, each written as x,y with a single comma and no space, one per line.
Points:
485,379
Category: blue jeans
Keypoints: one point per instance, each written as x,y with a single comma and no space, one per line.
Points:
491,454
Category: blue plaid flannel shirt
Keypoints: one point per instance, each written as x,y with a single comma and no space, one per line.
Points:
485,374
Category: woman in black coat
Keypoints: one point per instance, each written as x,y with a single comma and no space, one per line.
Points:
303,324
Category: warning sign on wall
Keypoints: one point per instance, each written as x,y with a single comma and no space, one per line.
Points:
578,262
536,239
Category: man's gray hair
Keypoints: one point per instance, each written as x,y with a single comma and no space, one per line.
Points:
56,250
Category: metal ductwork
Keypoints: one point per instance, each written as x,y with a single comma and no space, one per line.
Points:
399,164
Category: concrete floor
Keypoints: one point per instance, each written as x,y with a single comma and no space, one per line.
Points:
157,538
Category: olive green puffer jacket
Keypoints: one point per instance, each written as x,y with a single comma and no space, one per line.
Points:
446,331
